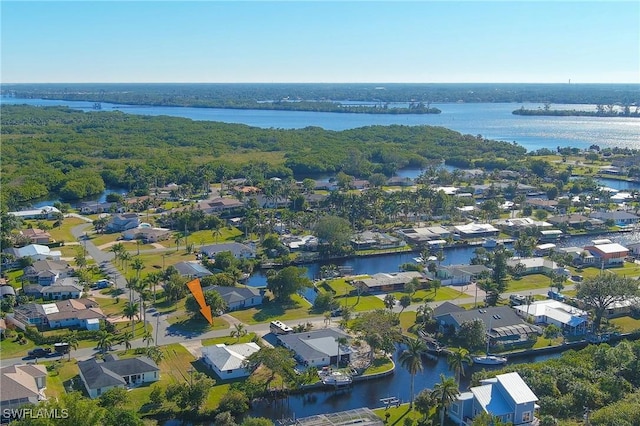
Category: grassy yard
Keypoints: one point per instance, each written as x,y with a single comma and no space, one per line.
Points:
379,365
529,282
64,232
269,311
186,321
63,371
626,324
364,303
408,320
9,348
228,340
398,415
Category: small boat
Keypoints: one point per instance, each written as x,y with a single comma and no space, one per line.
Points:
420,259
489,359
489,243
335,378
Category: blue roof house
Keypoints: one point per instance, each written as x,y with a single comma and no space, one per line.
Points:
505,396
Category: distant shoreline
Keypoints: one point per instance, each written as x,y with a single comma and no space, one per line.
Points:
575,113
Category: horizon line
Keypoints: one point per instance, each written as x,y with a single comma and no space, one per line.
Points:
568,83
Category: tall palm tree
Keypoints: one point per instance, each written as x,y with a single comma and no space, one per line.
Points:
411,359
137,265
126,339
72,340
340,341
125,257
457,359
105,341
445,393
130,311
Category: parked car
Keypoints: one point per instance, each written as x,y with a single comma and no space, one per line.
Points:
100,284
555,295
39,352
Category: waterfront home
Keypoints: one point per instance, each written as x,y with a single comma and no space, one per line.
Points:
423,234
576,221
91,207
80,313
192,269
35,252
544,249
536,265
569,319
608,254
375,240
239,297
634,249
619,217
580,255
100,376
317,348
460,274
357,416
520,223
36,236
539,203
239,251
386,282
505,396
502,324
45,212
476,230
47,272
22,384
228,361
122,222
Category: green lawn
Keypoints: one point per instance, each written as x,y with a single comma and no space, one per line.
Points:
63,371
626,324
364,303
408,320
9,348
112,306
228,340
379,365
398,415
529,282
64,232
269,311
187,321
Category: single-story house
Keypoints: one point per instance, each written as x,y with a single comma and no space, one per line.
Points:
550,235
35,252
385,282
22,384
576,221
227,361
36,236
240,251
100,376
536,265
303,242
520,223
539,203
192,269
147,235
90,207
122,222
609,254
375,240
460,274
45,212
221,204
476,230
502,323
569,319
505,396
47,272
634,248
239,297
579,254
544,249
317,348
619,217
422,234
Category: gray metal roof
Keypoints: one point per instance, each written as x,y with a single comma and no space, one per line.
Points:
314,344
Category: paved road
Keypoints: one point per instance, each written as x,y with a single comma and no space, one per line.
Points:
165,334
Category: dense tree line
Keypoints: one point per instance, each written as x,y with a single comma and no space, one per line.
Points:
258,95
57,150
603,379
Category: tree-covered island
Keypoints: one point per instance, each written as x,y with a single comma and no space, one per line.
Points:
600,111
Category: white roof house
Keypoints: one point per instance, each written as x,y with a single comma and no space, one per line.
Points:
36,252
568,318
227,361
476,229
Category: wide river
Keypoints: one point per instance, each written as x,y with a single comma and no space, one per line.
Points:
491,120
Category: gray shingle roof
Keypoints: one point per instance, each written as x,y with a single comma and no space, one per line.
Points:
110,373
313,344
235,294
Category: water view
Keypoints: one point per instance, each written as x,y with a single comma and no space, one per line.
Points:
491,120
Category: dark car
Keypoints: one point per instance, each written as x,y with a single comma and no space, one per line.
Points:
39,352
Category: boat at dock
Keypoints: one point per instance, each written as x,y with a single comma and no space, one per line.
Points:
489,359
335,378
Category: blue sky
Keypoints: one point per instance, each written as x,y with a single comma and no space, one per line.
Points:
313,41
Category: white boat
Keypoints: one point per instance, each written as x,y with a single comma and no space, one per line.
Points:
489,243
420,259
335,378
489,359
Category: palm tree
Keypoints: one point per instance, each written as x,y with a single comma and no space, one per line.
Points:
445,393
239,331
389,301
130,311
126,339
72,340
457,359
105,341
340,341
411,359
147,337
137,265
125,257
177,239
